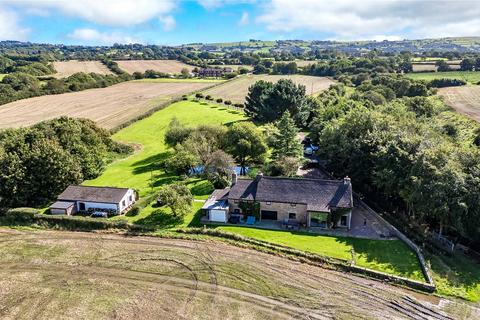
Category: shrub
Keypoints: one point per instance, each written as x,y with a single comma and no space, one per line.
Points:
228,102
199,95
208,97
184,97
238,105
21,215
219,100
133,212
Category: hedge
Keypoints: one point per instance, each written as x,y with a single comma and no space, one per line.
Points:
86,223
21,215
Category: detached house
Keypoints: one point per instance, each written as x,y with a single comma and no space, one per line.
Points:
85,199
310,202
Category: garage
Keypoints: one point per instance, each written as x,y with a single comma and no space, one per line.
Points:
269,215
218,215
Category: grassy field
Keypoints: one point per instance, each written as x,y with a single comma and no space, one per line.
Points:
190,80
74,275
472,77
67,68
237,89
465,100
141,170
387,256
167,66
109,107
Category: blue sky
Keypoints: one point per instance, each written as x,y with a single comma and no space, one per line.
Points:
172,22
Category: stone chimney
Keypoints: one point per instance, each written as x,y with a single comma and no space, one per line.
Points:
259,176
234,178
347,180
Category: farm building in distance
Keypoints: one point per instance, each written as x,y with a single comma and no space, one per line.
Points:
91,199
291,201
214,72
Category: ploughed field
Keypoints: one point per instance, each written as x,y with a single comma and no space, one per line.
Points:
109,107
58,275
465,100
166,66
237,89
67,68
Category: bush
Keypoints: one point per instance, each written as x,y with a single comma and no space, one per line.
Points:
219,100
184,97
21,215
199,95
133,212
441,83
228,102
238,105
208,97
88,224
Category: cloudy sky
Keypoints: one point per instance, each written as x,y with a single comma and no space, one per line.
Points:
175,22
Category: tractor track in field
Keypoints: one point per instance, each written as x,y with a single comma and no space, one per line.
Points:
182,279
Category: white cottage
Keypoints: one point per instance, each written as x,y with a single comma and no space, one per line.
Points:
85,198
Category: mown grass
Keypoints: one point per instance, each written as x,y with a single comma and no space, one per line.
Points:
457,276
142,169
190,80
471,77
392,257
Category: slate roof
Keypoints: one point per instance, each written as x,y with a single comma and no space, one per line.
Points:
317,194
93,194
62,205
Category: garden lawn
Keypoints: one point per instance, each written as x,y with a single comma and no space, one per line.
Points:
141,170
471,77
390,256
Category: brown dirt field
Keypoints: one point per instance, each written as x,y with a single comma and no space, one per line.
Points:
58,275
67,68
465,100
425,66
236,90
167,66
109,107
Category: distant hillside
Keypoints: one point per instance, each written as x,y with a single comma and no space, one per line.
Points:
460,44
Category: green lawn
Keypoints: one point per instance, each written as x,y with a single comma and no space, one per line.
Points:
472,77
141,170
457,276
2,75
392,257
191,80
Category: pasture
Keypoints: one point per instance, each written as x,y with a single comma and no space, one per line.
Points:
465,100
74,275
471,77
67,68
109,107
166,66
236,90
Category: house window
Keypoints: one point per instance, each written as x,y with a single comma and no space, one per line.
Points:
292,215
130,198
343,220
293,204
269,203
123,203
235,201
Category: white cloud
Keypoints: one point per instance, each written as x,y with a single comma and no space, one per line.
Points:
168,22
92,36
106,12
213,4
9,26
244,19
367,19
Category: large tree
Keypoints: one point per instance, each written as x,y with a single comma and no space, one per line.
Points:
285,141
245,142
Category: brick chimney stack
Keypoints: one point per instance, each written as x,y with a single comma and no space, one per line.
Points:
234,178
347,180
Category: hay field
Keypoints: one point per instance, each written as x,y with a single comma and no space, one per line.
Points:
74,275
167,66
429,66
236,90
67,68
465,100
235,67
109,107
471,77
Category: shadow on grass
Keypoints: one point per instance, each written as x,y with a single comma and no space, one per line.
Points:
150,163
196,219
200,187
393,254
160,218
164,178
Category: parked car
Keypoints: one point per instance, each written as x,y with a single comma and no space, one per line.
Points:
99,214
